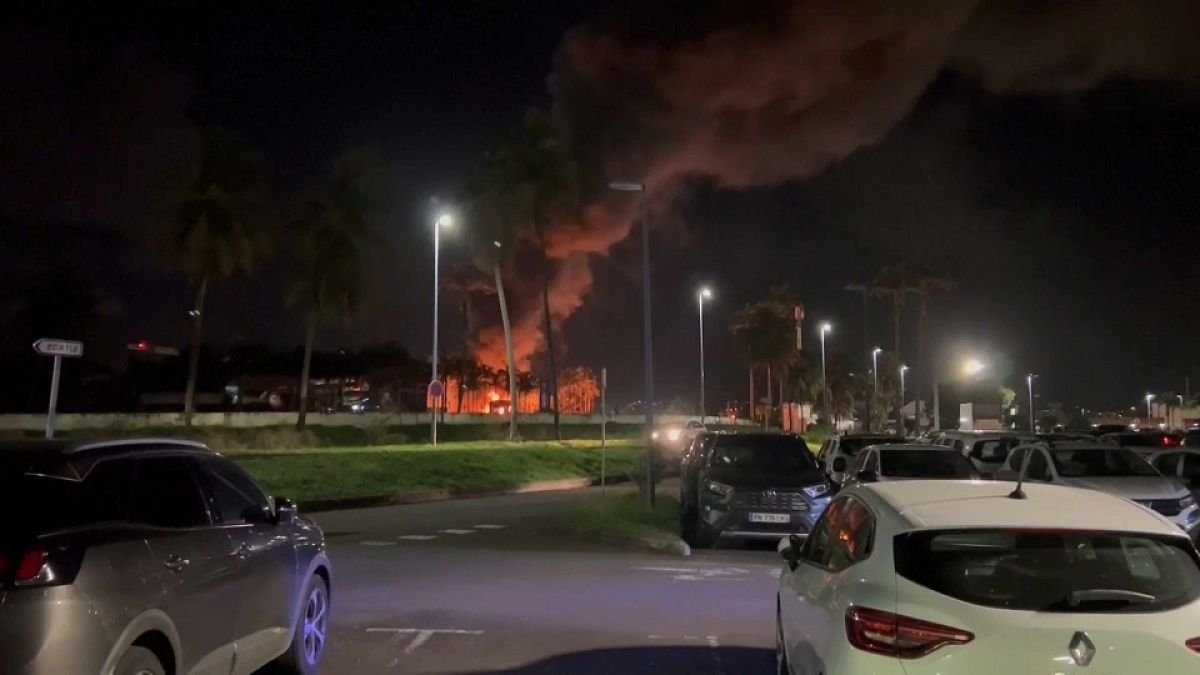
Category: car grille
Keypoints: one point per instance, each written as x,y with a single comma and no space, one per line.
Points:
771,500
1167,507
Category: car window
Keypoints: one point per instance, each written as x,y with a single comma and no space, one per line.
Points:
49,504
842,537
1100,462
851,445
863,460
924,463
165,494
231,491
1053,571
1191,467
1168,464
993,450
958,445
1039,468
769,453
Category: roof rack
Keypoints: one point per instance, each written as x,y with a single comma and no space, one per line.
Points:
126,442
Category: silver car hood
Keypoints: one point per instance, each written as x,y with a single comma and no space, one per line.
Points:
1131,487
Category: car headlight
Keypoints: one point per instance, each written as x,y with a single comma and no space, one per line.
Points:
816,491
673,435
1187,502
719,488
654,435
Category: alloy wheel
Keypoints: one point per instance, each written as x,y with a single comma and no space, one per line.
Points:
316,620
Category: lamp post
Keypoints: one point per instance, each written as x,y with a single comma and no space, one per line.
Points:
647,347
701,295
875,374
971,367
865,290
1149,414
903,370
825,328
1029,382
435,389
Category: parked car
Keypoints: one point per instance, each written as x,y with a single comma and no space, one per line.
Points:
1107,468
986,450
1191,438
1144,443
915,578
1105,429
1183,464
672,439
749,486
893,461
1065,437
838,453
149,557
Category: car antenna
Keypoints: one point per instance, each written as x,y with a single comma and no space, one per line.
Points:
1017,492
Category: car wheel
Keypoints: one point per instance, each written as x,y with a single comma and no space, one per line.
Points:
781,660
139,661
311,634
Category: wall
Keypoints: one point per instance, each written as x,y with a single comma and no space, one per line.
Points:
270,419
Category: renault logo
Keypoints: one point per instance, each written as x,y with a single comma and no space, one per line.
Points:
1082,649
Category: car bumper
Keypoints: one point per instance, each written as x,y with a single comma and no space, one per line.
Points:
49,632
737,523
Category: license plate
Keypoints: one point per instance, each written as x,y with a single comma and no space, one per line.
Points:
770,518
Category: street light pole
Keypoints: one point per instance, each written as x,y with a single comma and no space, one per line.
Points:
865,290
647,346
875,374
442,221
1029,381
825,328
903,370
700,296
1149,413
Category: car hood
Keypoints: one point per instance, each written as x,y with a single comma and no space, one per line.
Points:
753,479
1131,487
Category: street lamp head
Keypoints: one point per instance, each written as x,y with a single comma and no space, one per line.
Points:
973,367
826,327
627,186
705,292
1149,397
903,369
445,220
877,351
498,244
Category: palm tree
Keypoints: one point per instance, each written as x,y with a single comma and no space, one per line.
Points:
212,221
330,239
768,331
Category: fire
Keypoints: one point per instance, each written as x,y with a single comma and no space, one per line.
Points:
578,390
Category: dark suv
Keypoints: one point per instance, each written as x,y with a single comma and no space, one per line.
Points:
749,486
149,557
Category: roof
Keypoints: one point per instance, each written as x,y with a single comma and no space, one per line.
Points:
913,446
945,504
73,458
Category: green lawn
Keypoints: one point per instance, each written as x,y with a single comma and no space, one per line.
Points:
341,473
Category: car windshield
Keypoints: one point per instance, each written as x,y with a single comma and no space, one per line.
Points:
46,504
1142,440
1053,571
763,452
1099,462
852,444
924,463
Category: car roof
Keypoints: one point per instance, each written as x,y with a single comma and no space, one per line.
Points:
902,447
74,458
953,504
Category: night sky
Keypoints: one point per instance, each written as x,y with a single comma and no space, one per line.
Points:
1065,207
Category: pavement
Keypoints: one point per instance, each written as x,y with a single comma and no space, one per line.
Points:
482,586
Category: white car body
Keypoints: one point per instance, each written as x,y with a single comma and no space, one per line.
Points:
816,604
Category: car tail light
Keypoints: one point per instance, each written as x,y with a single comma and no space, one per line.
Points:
1170,441
904,637
40,567
1194,644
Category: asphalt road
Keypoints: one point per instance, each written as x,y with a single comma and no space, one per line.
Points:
480,586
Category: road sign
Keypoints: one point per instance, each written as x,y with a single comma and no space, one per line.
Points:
58,349
436,390
52,347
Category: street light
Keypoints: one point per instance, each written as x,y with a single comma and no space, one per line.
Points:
825,328
875,373
1029,382
647,348
701,295
903,370
973,367
435,388
1149,414
865,290
970,368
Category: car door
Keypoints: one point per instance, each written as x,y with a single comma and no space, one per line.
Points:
263,557
812,606
195,565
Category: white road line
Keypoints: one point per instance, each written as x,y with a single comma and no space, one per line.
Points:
678,570
654,637
457,531
435,631
713,647
377,543
417,537
691,637
421,638
490,527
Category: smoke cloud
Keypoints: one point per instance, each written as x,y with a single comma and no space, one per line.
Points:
756,94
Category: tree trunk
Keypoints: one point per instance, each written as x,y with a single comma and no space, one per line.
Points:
189,394
548,326
770,406
511,356
752,406
310,335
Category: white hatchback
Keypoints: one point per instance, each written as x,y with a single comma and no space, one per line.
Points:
935,577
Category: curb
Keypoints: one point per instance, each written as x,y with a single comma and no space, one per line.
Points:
426,496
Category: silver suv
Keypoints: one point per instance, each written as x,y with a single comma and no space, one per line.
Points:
148,557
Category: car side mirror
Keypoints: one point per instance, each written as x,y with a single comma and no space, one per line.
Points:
839,465
258,515
868,476
285,511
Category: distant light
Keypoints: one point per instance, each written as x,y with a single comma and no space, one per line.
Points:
973,367
904,369
877,351
826,327
445,220
498,245
193,312
1149,397
626,186
706,292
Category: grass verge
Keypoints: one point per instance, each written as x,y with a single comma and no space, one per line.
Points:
353,473
623,520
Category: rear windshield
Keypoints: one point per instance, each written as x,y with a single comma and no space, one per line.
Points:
1148,439
925,464
1053,571
1100,462
762,452
851,445
35,505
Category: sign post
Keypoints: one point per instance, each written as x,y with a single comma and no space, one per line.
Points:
603,430
58,349
435,392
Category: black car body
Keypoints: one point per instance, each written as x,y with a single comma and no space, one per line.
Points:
749,486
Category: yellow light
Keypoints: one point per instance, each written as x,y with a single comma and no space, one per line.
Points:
445,220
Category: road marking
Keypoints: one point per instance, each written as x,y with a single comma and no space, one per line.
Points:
417,537
654,637
701,573
377,543
435,631
490,527
457,531
421,638
714,652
